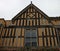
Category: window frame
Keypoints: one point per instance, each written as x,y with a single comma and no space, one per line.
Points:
31,37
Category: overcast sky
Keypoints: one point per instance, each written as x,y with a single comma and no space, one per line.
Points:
9,8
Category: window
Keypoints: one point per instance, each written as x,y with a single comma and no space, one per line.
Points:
30,37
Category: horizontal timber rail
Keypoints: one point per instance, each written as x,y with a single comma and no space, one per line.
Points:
41,26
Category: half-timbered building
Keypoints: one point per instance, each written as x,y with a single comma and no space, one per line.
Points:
31,29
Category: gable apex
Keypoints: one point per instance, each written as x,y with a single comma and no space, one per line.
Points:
30,5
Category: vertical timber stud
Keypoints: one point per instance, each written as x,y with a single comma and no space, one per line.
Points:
7,36
23,19
20,22
56,36
4,36
38,19
32,22
8,31
1,32
16,22
46,37
10,35
14,35
37,36
11,32
43,38
21,32
50,36
29,23
35,18
53,36
26,18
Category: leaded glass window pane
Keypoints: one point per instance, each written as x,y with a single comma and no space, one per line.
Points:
30,37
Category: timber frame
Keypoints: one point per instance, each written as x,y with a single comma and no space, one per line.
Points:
12,32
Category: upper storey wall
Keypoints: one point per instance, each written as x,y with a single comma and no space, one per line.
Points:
55,20
8,22
31,16
5,22
2,21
